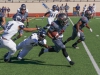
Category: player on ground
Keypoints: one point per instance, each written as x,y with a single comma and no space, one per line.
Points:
52,15
77,29
58,26
12,27
34,40
2,21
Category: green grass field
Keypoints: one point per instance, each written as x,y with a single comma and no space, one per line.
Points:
55,63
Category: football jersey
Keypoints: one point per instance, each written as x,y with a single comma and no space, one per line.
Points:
84,21
55,26
33,40
12,28
23,16
53,13
18,10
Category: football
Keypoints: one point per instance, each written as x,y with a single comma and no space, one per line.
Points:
54,34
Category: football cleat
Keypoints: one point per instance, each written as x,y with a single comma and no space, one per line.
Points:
5,55
75,46
71,63
7,60
41,52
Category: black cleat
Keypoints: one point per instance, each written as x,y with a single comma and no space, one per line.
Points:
7,60
75,46
71,63
6,55
41,52
64,42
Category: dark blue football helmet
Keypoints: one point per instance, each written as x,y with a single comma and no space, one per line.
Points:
54,7
17,17
42,33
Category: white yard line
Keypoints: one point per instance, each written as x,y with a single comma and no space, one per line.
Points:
90,55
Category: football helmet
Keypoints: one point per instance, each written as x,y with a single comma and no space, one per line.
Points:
17,17
88,14
23,5
54,7
62,19
42,33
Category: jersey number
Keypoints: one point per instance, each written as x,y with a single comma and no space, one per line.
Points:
8,27
53,15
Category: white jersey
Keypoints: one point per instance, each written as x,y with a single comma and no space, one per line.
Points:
12,27
53,13
18,10
94,7
84,8
33,40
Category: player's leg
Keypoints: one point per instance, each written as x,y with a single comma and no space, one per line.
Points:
23,52
11,46
82,38
60,46
74,34
20,45
49,23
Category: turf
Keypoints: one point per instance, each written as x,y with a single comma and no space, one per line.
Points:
55,63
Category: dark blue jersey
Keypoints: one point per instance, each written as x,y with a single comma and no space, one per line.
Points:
55,26
84,21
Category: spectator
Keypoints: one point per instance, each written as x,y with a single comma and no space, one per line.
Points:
57,8
5,11
84,9
8,10
66,9
89,7
78,10
94,9
61,8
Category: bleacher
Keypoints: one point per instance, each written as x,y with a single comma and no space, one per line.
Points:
28,1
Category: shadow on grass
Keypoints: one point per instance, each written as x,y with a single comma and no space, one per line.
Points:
69,47
30,61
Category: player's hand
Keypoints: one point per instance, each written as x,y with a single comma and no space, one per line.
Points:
78,34
91,30
38,27
54,38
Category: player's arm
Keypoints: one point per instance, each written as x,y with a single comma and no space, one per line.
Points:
78,26
87,26
46,13
49,34
28,29
3,21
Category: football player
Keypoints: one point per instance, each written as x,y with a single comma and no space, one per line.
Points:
34,40
12,27
58,26
24,16
19,9
52,15
77,29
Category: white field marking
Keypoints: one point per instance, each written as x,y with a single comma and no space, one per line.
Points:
90,55
97,18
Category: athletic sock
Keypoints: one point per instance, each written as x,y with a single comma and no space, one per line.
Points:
68,58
